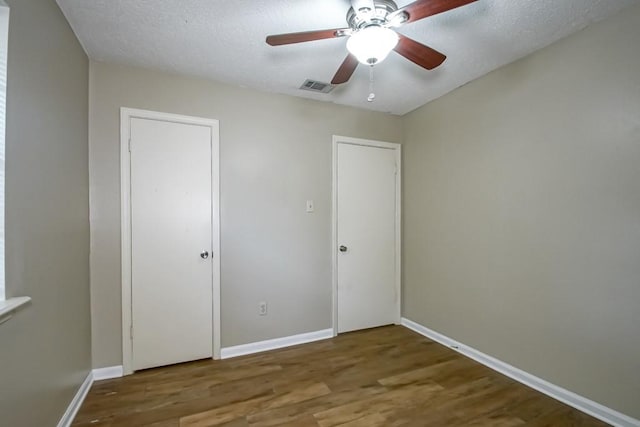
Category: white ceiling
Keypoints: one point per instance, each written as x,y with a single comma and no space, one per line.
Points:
224,41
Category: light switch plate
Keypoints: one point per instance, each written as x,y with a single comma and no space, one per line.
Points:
310,206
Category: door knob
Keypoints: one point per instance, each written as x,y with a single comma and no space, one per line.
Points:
343,248
204,255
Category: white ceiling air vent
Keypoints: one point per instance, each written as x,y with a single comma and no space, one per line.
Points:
315,86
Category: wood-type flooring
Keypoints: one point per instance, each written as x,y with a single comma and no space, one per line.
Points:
387,376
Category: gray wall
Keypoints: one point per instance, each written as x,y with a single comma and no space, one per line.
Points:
45,349
275,155
522,213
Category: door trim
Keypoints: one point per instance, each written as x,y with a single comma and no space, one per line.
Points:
126,114
334,220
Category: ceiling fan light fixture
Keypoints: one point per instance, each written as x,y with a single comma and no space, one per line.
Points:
372,44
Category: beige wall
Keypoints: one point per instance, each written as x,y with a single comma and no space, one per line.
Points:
275,155
522,214
45,349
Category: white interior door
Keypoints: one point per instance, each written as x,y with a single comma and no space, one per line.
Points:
171,242
367,211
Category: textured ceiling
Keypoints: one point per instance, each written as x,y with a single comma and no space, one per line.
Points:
224,41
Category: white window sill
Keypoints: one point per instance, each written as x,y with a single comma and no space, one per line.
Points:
9,306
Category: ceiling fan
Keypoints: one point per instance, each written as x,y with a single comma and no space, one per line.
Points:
372,36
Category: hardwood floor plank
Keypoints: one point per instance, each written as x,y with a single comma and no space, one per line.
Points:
289,414
388,376
228,413
565,417
372,420
166,423
427,372
305,421
496,421
384,402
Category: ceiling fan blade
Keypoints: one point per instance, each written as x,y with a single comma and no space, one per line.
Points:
425,8
418,53
346,70
306,36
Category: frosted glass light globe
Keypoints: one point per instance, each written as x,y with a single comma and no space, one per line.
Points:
371,45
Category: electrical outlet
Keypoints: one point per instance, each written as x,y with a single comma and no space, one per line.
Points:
262,308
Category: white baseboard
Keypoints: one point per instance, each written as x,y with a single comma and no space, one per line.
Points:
256,347
76,402
581,403
108,373
81,394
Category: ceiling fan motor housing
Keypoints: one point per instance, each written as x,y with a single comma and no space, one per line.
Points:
358,20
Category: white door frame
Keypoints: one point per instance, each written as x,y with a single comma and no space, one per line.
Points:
334,219
126,114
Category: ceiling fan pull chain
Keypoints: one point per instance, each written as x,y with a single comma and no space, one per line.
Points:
372,95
